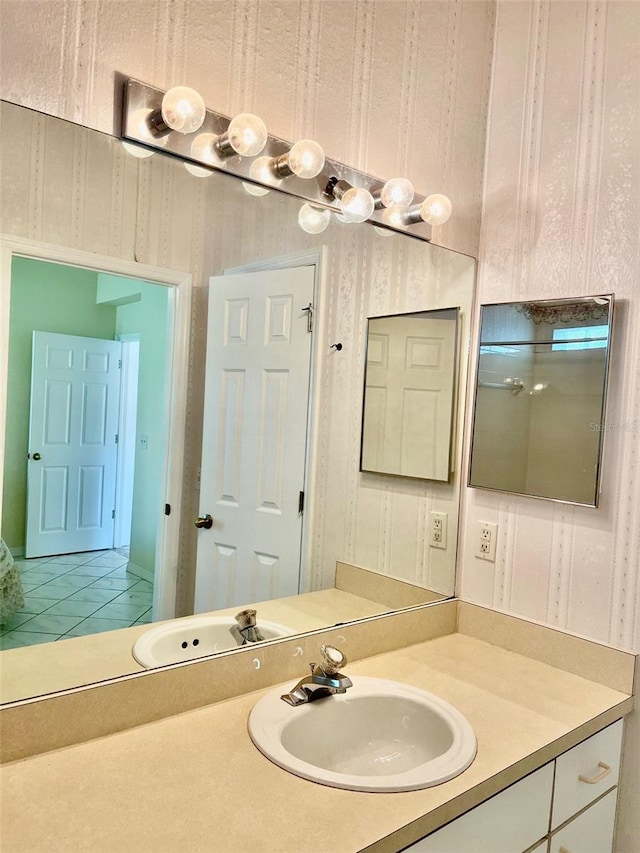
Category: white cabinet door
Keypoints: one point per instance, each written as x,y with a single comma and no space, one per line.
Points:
590,832
510,822
585,772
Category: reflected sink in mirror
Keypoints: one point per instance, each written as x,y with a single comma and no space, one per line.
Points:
379,736
188,639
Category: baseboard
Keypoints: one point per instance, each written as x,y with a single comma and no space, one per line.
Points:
140,572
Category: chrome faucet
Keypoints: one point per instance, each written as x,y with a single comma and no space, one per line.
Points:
245,630
325,679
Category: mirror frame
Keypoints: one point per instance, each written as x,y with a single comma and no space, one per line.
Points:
455,378
565,301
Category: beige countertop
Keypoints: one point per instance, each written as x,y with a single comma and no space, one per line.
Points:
195,782
48,667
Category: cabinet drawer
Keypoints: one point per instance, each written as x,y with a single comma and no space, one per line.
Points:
590,832
510,822
585,772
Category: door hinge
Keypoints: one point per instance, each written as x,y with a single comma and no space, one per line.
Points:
309,310
113,513
117,438
300,502
119,364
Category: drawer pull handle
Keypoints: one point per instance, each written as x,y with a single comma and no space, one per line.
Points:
591,780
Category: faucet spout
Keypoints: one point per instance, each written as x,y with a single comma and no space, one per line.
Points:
324,680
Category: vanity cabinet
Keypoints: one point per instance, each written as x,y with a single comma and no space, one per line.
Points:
559,808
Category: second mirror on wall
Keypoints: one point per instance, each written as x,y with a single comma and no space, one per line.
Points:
540,398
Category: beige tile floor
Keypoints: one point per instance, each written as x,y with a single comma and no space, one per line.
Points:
76,594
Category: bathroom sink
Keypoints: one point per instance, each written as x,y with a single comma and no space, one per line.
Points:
194,637
379,736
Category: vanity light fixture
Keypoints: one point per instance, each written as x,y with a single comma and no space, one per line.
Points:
356,203
304,159
313,220
172,122
183,110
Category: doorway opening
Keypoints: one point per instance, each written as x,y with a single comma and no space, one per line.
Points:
129,576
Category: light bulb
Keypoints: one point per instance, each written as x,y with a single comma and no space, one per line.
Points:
313,220
246,135
357,204
260,171
306,158
397,192
198,171
203,148
435,209
137,150
183,109
395,216
254,189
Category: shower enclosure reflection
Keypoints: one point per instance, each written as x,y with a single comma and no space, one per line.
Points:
540,398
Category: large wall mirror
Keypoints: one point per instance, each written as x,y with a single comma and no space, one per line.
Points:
107,245
540,398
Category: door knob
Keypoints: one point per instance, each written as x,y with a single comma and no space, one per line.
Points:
36,456
205,522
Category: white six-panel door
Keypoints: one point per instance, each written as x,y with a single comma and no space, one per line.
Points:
254,436
75,387
409,397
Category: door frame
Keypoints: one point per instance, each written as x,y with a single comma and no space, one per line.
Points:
167,544
316,258
125,466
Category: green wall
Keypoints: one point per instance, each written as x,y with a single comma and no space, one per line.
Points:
146,315
53,298
45,297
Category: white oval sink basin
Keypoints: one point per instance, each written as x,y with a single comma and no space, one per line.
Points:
194,637
378,736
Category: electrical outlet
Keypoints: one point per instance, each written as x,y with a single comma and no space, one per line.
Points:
438,529
486,541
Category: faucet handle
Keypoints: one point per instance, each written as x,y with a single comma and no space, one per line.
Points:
246,618
332,659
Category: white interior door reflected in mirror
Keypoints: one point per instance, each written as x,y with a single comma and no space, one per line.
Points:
540,398
409,394
71,482
254,436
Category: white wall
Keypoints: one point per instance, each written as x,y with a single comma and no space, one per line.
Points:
561,217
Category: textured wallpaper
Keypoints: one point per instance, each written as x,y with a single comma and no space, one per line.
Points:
390,87
561,217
